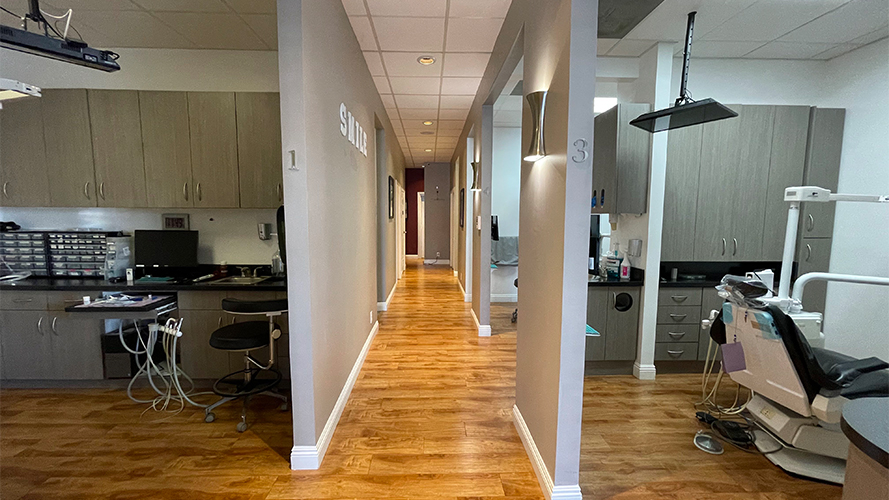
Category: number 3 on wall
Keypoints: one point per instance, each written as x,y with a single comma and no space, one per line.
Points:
582,151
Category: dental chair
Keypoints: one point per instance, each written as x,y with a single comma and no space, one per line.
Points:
799,391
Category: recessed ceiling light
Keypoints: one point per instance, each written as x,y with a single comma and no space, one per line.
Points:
427,123
428,150
426,60
427,133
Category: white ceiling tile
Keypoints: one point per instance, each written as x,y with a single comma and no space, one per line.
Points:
836,50
630,48
457,64
450,132
421,142
266,26
460,86
388,101
364,33
382,84
853,20
415,85
253,6
405,64
213,31
476,8
60,6
374,63
453,114
418,114
412,8
181,5
443,155
873,36
355,7
788,50
417,124
417,101
720,49
767,20
131,29
456,101
410,33
603,45
472,35
668,20
451,124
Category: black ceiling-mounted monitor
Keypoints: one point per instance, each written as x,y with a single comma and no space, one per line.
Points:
683,115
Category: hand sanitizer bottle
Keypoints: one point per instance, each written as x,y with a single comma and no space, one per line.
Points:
625,268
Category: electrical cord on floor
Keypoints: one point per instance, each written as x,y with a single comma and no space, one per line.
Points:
738,434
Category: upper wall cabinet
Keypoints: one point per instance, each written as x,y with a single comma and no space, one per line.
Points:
23,176
117,148
680,209
621,155
259,149
214,149
822,169
69,148
167,149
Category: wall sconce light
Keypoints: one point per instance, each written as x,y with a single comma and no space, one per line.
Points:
476,176
537,102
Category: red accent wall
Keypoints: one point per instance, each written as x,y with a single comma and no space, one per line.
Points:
413,178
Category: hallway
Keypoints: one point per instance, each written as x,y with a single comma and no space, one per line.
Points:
429,417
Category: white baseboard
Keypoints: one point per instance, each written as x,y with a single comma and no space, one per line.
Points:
504,297
437,262
455,272
384,306
644,372
550,491
467,297
310,457
483,330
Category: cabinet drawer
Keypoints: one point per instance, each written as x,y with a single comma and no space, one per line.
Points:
204,300
679,297
678,333
23,301
676,351
686,315
58,301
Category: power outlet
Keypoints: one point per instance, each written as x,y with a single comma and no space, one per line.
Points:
437,255
371,314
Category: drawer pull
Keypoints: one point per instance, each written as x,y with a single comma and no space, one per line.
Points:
679,298
22,301
678,317
676,335
676,354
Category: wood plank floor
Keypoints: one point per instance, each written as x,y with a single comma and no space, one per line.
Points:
430,417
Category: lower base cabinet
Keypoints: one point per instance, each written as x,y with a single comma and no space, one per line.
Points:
614,313
41,345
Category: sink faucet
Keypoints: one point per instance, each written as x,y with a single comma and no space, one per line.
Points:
245,272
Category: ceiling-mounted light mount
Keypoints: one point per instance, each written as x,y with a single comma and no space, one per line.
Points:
476,176
685,111
426,60
428,123
537,103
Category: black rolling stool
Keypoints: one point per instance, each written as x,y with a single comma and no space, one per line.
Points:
255,378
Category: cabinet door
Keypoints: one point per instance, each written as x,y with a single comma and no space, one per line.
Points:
259,149
605,161
26,345
23,176
199,360
596,317
214,149
822,169
69,148
750,184
167,149
117,148
786,165
719,164
681,193
633,167
76,347
622,325
814,256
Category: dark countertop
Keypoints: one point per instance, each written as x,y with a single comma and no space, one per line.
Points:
866,423
688,284
592,282
100,285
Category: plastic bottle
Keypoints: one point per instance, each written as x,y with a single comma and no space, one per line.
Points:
625,268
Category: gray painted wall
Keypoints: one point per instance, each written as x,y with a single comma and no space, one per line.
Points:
558,40
331,204
388,164
437,186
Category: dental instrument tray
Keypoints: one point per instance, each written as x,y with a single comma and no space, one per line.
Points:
128,302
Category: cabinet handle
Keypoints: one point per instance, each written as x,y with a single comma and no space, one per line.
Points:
185,191
676,335
278,190
53,325
22,301
676,354
679,298
40,325
219,322
808,252
678,317
200,194
5,186
723,246
102,189
86,190
735,247
810,223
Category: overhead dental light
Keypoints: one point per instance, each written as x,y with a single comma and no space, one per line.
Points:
12,89
537,148
476,174
686,111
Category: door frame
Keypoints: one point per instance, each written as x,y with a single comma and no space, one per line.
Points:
421,225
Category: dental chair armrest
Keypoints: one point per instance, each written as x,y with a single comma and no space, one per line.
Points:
846,372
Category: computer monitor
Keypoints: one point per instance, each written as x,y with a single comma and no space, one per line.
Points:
171,249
